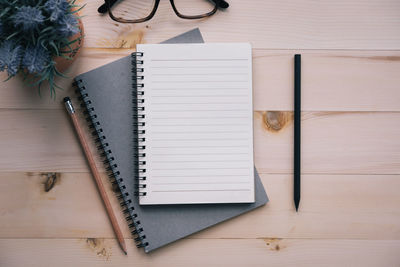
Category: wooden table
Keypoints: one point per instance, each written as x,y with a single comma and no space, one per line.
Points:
350,206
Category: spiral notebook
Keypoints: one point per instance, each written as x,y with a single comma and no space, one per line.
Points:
107,95
195,123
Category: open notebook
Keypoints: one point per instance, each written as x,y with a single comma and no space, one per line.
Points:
106,92
195,123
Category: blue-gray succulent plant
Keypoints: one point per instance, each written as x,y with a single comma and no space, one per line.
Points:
33,33
10,57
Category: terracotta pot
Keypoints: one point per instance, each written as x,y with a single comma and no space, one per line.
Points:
62,64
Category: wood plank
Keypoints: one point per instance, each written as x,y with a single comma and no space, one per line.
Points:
332,206
333,142
332,80
302,24
207,252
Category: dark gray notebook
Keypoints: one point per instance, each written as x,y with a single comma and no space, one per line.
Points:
107,94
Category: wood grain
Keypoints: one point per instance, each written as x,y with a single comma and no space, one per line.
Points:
331,80
332,142
43,140
332,206
302,24
208,252
351,101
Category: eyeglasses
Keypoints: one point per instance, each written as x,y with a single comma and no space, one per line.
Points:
136,11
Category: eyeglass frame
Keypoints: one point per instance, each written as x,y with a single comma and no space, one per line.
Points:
110,3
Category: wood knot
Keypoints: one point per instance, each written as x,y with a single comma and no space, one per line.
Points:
124,40
51,179
130,39
92,242
274,244
99,246
274,121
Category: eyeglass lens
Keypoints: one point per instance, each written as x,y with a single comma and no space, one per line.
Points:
139,9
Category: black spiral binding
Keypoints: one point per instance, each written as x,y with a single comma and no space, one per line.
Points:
139,124
111,167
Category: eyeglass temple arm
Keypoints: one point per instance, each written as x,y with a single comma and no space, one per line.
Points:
103,8
221,3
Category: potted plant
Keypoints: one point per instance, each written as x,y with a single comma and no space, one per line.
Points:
37,38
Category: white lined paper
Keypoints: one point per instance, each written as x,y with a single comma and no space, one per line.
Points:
199,137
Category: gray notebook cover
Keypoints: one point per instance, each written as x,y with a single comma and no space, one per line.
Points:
107,92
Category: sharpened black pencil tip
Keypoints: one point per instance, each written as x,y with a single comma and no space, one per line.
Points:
297,204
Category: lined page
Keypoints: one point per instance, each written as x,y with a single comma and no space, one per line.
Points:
198,123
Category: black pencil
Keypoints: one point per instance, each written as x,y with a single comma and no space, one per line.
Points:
297,131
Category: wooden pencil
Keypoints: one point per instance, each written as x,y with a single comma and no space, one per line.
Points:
96,174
